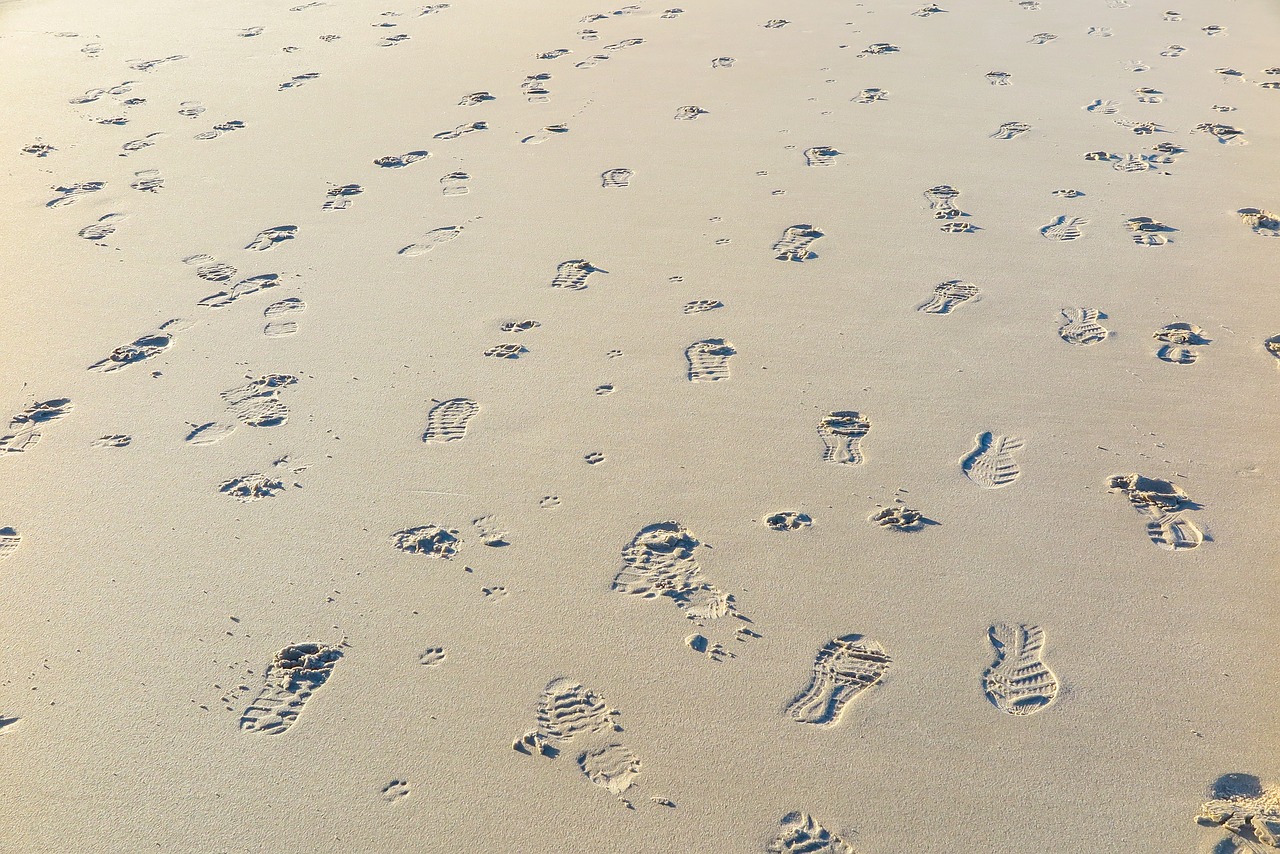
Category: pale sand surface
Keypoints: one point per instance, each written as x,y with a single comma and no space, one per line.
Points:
142,605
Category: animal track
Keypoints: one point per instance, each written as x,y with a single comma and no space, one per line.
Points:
709,360
1176,341
298,671
991,464
1081,326
455,184
25,429
799,833
433,238
788,520
700,305
433,656
447,421
506,351
1161,503
795,242
572,275
710,650
279,317
594,458
1064,228
269,238
428,541
252,487
844,667
394,791
242,288
660,561
615,178
842,434
257,403
947,296
898,518
490,534
1018,682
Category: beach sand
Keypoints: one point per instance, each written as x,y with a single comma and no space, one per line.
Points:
764,417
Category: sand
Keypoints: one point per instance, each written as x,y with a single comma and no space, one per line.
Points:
756,427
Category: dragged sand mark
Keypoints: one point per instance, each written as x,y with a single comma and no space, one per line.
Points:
433,238
947,296
844,667
280,316
800,833
26,428
1064,228
427,540
1018,682
572,275
709,360
242,288
1176,343
143,348
447,421
795,243
991,464
1081,327
257,403
842,432
298,671
1161,503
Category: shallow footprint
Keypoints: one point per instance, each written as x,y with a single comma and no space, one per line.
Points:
1018,682
572,275
991,464
447,421
1064,228
430,240
280,317
948,295
1081,326
842,434
709,360
844,667
269,238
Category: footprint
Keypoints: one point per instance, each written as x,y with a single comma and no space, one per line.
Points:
788,520
942,202
433,238
428,541
270,237
10,539
297,672
242,288
460,130
1106,108
1064,228
1173,50
209,433
1146,231
1160,503
608,388
898,518
399,161
279,317
475,98
1272,345
660,561
1225,134
545,134
73,193
506,351
25,428
447,421
1249,813
572,275
148,181
257,403
709,360
1041,38
38,149
999,78
149,64
117,440
710,650
1018,682
252,487
1068,193
878,49
594,458
455,184
615,178
775,24
821,155
991,464
1100,32
566,710
103,228
534,88
1176,341
190,109
926,11
844,667
298,80
1261,222
592,61
1081,326
947,296
433,656
1009,130
689,113
491,534
339,198
700,305
795,242
870,96
613,767
842,434
219,129
799,833
394,791
723,62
